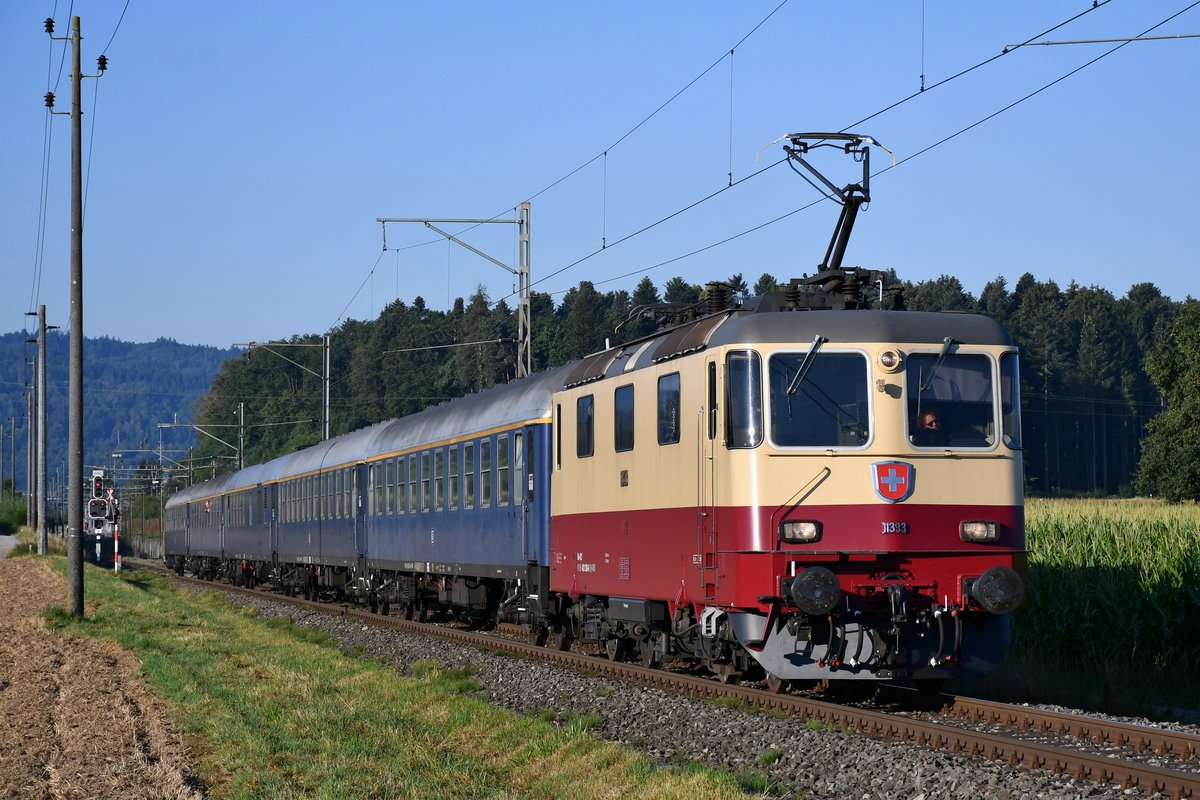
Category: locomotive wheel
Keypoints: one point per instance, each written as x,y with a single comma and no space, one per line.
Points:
373,603
385,608
538,635
616,649
776,684
407,611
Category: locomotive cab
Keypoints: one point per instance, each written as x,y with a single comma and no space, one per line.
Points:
802,527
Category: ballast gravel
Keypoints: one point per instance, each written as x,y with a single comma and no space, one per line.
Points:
800,762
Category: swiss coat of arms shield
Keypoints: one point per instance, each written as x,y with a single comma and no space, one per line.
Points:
893,480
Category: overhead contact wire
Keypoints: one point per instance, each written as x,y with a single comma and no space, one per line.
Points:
899,162
961,73
603,154
1035,92
668,102
968,70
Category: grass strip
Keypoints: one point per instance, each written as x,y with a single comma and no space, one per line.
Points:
275,711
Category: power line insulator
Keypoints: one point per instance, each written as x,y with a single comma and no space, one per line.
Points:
50,25
102,62
49,99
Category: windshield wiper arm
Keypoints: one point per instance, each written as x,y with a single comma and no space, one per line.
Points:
809,357
947,343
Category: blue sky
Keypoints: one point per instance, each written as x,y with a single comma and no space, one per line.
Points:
241,152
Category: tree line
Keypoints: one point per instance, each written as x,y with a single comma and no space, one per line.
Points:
1093,370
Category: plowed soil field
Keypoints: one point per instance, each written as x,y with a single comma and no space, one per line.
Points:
75,720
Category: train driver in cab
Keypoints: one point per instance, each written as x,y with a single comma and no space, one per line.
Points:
928,430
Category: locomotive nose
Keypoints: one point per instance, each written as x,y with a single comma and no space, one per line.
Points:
999,590
814,591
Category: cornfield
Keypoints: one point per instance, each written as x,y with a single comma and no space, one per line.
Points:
1113,582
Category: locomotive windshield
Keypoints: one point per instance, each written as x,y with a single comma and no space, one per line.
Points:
826,406
951,402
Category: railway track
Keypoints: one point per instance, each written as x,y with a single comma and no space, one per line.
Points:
1150,760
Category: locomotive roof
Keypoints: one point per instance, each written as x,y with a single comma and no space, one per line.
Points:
922,327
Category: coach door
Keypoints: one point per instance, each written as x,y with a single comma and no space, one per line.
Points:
706,478
357,482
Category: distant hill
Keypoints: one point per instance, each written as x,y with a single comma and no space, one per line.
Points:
128,389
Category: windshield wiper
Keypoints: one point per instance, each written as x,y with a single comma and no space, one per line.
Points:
947,343
809,357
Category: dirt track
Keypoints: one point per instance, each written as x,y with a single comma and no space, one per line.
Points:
75,721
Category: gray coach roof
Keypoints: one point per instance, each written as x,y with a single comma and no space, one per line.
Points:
520,401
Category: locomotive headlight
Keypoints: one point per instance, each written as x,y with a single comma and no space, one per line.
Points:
890,360
815,590
978,531
794,532
999,590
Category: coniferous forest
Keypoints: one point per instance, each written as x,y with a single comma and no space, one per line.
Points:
1087,360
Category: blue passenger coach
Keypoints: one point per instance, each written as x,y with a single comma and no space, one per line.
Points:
445,508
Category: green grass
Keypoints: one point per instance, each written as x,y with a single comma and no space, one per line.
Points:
273,710
1111,616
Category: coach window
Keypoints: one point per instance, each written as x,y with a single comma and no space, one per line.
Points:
439,471
401,486
376,491
469,474
351,476
373,505
389,489
339,509
668,409
519,473
819,400
743,399
584,426
426,487
412,483
347,501
503,489
485,473
454,448
623,419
